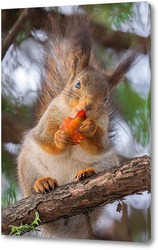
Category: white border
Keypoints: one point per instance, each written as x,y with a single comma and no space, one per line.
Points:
6,4
9,242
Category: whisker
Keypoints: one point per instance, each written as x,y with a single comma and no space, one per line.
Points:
76,94
101,119
120,139
102,122
72,94
124,130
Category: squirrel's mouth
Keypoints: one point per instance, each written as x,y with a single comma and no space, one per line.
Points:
90,112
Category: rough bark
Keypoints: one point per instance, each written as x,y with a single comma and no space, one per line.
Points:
77,197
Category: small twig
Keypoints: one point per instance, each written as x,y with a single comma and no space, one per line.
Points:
8,40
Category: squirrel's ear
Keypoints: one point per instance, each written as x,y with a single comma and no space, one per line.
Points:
125,64
80,44
80,60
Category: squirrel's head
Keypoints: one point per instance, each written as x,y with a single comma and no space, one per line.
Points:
89,87
71,65
88,91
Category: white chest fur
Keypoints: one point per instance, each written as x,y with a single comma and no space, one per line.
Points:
65,165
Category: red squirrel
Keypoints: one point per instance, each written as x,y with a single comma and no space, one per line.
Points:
73,81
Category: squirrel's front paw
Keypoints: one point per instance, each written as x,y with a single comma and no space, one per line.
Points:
62,139
45,185
85,173
88,127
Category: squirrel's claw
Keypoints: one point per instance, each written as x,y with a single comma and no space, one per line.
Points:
45,185
85,173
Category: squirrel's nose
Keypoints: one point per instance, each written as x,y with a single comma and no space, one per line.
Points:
88,106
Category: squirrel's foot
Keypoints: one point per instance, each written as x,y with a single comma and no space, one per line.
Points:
88,127
85,173
62,139
45,185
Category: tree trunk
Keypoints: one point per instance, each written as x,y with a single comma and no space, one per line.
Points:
77,197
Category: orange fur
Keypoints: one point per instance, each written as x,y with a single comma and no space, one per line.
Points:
47,147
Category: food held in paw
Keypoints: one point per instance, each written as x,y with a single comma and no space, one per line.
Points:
71,125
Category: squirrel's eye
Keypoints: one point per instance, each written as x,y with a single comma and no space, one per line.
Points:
78,85
106,99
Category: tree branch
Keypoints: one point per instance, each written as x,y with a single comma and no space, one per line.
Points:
119,40
77,197
8,40
108,38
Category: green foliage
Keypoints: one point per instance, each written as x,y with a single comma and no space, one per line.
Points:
111,14
22,114
24,34
136,111
20,37
27,227
16,107
9,195
7,105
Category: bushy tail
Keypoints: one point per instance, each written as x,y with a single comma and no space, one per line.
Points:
67,51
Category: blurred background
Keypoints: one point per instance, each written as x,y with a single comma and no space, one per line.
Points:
116,28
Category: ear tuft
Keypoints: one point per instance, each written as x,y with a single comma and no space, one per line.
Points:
126,63
80,43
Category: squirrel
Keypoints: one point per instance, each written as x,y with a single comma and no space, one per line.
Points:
73,80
